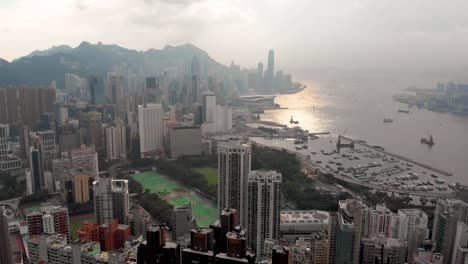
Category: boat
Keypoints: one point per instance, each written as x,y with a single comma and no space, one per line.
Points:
292,121
440,181
429,142
388,120
403,111
298,141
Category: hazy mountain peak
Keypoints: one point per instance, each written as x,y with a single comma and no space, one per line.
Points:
41,67
3,62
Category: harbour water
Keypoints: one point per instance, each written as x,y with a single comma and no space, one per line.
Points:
357,110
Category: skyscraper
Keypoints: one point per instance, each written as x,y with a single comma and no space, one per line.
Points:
341,234
96,90
91,124
446,216
263,208
209,104
116,141
111,200
37,169
270,72
150,126
408,220
8,162
116,95
5,248
234,160
48,147
460,247
352,213
259,84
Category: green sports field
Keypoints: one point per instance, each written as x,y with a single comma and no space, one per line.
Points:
157,183
204,211
210,174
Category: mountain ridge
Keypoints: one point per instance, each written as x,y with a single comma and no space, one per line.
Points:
40,67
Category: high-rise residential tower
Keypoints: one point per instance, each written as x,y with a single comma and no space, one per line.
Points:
263,208
116,141
111,200
91,126
150,126
234,163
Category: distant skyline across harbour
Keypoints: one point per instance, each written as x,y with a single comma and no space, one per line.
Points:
357,109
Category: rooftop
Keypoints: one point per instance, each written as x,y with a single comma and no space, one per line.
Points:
305,217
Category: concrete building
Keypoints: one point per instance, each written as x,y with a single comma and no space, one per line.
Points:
8,163
37,169
209,104
182,221
138,220
263,208
96,90
91,126
115,95
318,248
446,216
305,224
417,236
408,220
48,147
150,127
185,141
381,221
111,200
116,141
25,104
460,246
424,256
352,217
70,174
49,219
234,164
381,249
341,235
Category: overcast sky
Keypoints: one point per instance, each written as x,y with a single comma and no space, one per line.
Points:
305,34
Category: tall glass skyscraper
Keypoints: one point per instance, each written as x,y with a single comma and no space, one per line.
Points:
96,90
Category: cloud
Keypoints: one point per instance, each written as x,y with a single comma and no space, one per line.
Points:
305,34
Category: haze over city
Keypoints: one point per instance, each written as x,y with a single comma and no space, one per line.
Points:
400,36
233,132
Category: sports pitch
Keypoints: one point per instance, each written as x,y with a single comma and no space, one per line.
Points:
204,211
